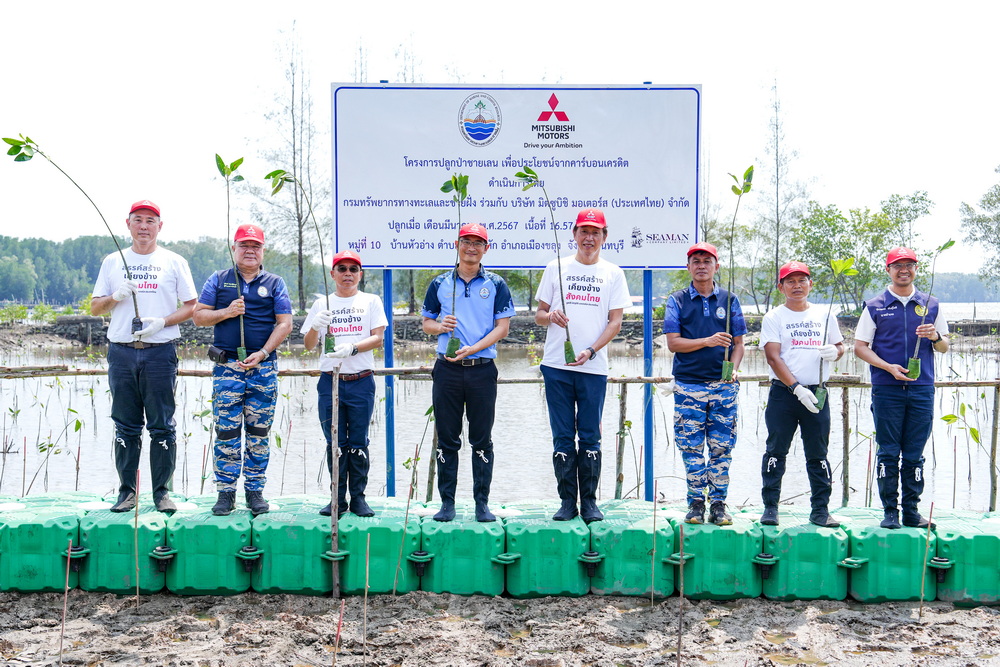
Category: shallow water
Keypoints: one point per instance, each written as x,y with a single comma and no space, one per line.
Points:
40,411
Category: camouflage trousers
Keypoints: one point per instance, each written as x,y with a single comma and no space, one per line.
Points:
242,401
705,417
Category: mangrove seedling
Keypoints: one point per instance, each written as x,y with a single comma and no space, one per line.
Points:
913,365
841,268
24,149
459,184
740,189
278,178
530,179
228,172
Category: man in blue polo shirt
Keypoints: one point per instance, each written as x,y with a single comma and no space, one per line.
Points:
250,310
890,327
704,404
466,382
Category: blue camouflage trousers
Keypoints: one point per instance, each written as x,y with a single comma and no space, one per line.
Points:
243,401
705,414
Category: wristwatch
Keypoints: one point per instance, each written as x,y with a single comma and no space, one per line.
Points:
593,352
354,350
791,388
938,339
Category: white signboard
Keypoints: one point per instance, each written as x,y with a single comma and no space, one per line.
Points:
629,151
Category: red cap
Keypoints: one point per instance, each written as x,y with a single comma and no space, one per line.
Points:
897,254
704,247
249,232
591,217
473,229
346,256
145,203
792,267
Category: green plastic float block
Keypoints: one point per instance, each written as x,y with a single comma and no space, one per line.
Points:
384,561
61,498
968,561
213,553
546,557
718,561
298,502
34,543
462,556
800,561
887,564
113,564
294,548
630,562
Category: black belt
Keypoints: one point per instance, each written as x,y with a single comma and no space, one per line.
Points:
779,383
351,377
466,361
140,345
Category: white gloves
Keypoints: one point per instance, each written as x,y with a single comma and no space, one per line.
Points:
666,388
828,352
342,351
322,321
125,290
153,325
806,398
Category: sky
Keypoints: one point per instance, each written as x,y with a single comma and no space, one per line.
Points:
133,100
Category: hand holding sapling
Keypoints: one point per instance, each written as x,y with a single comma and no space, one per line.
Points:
151,325
828,352
125,290
322,321
806,398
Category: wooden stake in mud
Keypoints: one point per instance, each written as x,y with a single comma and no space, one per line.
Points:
335,479
406,515
336,638
135,535
993,447
62,631
680,590
923,570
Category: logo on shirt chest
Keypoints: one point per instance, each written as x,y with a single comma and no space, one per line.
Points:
720,313
920,310
484,292
262,291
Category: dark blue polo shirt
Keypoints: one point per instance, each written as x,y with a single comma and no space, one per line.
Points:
265,297
692,315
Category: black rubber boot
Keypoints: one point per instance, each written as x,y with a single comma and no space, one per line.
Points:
482,478
357,466
447,471
588,468
696,512
911,480
718,514
887,477
163,502
770,516
127,451
913,519
820,516
891,519
162,461
225,504
820,483
772,469
256,503
125,502
564,465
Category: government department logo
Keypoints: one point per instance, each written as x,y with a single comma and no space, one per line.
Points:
479,119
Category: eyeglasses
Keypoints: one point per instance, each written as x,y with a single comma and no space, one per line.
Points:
472,244
903,265
344,268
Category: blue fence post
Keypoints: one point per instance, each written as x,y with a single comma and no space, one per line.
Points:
390,389
647,370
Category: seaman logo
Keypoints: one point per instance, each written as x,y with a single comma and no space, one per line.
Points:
479,119
636,237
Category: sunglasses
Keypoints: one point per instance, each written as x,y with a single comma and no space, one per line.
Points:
344,268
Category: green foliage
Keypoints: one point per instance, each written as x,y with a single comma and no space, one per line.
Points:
982,228
44,313
13,313
22,149
83,305
228,171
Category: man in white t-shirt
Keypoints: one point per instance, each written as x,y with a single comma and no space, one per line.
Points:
801,341
585,305
357,322
142,364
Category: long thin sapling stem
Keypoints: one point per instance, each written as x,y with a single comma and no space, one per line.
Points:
530,179
459,184
228,172
913,365
841,268
24,149
739,190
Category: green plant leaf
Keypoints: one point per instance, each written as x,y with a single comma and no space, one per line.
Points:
277,173
737,190
949,419
236,178
13,142
220,164
448,186
748,175
529,170
430,411
974,432
236,164
949,243
961,409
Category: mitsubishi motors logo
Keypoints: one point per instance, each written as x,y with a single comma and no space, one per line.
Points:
547,115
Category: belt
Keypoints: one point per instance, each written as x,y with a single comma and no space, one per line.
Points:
140,345
351,377
779,383
465,362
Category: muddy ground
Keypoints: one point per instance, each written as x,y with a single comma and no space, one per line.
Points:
428,629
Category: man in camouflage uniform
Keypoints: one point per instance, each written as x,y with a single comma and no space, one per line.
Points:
250,309
704,404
